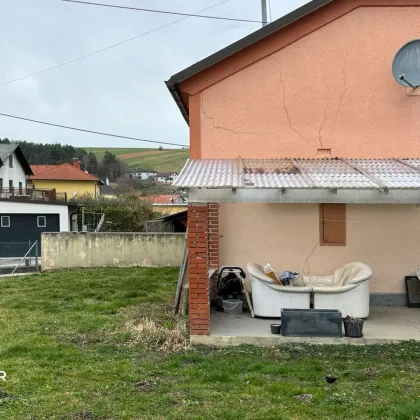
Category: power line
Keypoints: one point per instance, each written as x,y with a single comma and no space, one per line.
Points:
161,11
107,48
90,131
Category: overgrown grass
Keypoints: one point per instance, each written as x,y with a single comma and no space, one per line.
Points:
100,344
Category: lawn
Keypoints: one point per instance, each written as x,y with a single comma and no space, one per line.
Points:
76,345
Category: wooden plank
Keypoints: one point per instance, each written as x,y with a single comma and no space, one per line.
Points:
182,273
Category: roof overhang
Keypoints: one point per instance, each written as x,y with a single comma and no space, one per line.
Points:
337,180
304,196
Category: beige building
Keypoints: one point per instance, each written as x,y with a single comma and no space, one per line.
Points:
305,149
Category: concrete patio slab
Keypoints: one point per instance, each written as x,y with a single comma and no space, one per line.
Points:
384,325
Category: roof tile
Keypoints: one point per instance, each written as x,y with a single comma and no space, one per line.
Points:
64,171
301,173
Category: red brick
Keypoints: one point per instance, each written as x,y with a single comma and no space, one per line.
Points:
197,271
197,230
201,326
200,300
197,322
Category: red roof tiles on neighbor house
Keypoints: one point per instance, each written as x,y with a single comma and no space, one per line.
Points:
63,172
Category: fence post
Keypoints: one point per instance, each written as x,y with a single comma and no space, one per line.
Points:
30,254
36,256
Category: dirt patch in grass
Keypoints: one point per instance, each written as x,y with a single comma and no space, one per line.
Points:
145,386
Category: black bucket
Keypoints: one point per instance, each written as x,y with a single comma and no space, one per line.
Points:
275,328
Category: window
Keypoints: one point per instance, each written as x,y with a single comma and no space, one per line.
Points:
332,224
11,187
11,161
20,188
5,221
1,184
41,221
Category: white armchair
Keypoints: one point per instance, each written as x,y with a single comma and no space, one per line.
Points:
268,298
347,290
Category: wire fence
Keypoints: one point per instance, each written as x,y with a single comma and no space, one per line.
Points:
19,257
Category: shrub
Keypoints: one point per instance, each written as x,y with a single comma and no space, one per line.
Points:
126,214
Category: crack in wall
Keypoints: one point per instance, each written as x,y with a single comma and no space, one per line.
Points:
344,86
321,127
287,111
224,128
307,258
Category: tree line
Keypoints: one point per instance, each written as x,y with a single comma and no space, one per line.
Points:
55,154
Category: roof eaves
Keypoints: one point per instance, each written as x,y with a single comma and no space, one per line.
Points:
237,46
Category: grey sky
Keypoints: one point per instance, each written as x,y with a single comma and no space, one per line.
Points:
121,90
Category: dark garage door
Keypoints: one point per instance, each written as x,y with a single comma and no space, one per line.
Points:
27,227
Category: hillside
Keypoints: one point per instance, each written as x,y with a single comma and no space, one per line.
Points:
159,160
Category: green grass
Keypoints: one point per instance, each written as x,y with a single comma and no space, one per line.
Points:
68,354
165,160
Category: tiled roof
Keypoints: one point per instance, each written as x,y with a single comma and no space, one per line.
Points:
62,172
107,190
6,149
37,169
334,173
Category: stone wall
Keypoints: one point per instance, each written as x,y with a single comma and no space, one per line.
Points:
77,249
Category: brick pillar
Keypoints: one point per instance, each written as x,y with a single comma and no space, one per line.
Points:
199,291
213,247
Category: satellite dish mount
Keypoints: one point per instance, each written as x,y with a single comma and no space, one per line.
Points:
402,77
406,65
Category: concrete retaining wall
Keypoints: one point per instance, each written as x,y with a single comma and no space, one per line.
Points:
77,249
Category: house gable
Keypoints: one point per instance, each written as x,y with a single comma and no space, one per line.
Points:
321,86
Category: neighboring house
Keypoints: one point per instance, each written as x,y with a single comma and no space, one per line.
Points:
315,83
142,174
168,203
13,170
65,178
166,177
27,212
108,192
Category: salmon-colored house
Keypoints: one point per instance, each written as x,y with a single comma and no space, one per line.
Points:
299,115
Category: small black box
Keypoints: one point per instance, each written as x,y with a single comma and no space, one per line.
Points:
412,287
311,323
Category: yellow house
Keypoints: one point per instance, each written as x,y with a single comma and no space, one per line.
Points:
64,178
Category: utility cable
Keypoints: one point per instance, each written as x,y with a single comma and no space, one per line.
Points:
90,131
107,48
161,11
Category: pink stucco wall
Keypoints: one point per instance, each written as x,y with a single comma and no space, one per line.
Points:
331,89
386,237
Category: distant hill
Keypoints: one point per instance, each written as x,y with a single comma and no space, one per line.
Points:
159,160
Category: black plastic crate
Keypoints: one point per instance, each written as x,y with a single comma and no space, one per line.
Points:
412,287
311,323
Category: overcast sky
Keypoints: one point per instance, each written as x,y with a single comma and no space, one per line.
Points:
121,90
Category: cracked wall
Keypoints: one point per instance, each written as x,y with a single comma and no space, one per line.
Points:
331,89
287,236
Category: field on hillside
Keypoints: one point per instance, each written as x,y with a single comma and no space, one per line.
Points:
159,160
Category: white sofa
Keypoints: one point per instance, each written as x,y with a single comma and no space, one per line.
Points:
347,290
268,299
